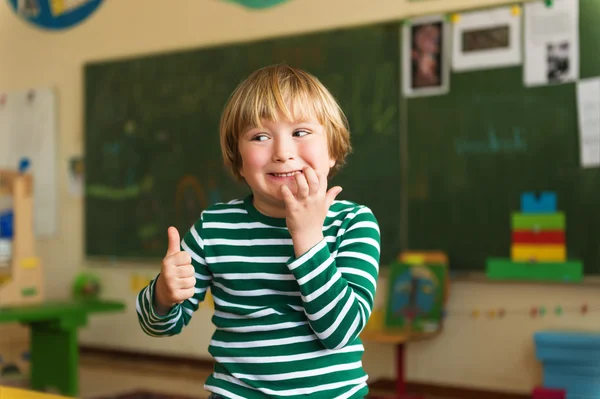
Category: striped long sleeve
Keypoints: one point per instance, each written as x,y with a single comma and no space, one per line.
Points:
179,316
337,290
286,327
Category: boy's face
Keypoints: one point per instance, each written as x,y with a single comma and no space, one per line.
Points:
273,153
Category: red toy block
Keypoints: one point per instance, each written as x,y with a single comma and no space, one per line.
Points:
540,237
548,393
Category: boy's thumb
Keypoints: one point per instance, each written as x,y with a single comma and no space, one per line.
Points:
331,194
174,241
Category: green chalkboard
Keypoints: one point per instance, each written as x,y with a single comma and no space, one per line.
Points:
474,151
152,143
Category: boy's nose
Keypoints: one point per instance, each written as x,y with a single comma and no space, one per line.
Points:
283,151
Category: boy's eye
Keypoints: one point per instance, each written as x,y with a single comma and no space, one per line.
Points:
300,133
260,137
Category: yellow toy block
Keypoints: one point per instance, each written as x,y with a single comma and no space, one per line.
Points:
557,252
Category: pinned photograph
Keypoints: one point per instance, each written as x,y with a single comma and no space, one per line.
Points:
558,61
486,39
425,57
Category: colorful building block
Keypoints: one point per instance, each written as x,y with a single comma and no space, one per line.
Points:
505,269
571,361
544,203
540,237
551,252
538,245
538,222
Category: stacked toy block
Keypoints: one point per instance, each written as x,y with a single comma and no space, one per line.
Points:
538,231
571,363
538,244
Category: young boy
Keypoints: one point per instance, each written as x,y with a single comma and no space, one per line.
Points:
292,272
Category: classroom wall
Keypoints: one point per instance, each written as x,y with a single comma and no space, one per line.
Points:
492,354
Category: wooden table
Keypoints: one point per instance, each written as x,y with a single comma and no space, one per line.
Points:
16,393
399,340
54,346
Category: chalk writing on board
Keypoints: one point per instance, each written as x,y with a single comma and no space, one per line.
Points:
190,200
493,143
380,116
103,191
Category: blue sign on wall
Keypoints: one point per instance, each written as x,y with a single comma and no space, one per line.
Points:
54,14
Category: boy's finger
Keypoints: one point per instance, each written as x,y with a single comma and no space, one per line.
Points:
312,179
302,184
331,194
288,197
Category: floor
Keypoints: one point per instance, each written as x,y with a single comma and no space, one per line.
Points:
101,376
108,376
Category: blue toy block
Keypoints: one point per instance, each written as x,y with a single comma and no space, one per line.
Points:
544,203
568,347
573,385
571,361
6,224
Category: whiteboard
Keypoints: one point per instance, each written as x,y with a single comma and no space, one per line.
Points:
28,129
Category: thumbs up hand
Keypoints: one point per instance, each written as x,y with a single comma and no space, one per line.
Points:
176,281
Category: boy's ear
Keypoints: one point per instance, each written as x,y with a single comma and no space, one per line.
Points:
331,163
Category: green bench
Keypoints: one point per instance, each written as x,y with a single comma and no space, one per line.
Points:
54,346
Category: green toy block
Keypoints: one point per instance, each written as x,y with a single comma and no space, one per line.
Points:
539,221
570,271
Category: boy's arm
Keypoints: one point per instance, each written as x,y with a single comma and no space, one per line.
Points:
338,290
172,323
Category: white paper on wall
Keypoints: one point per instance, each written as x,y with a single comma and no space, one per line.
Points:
28,130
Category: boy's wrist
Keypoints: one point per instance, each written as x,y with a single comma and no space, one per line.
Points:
161,307
303,242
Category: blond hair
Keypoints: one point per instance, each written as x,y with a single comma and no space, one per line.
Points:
266,94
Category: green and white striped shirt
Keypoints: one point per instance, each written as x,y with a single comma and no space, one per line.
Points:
286,327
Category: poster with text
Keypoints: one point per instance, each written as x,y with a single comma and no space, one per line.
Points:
551,42
588,116
28,132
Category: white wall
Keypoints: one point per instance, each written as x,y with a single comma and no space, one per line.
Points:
490,354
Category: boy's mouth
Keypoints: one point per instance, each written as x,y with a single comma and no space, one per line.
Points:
287,174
